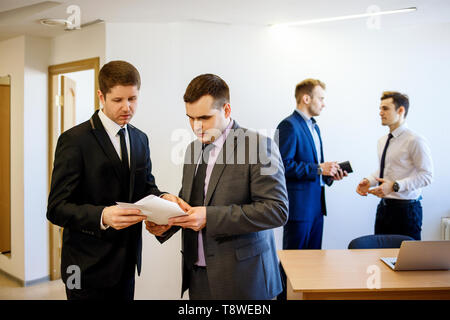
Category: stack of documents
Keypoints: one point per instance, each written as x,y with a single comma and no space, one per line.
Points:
156,209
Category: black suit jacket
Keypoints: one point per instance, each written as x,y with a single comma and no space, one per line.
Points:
86,178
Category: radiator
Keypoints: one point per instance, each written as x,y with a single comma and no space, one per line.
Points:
445,228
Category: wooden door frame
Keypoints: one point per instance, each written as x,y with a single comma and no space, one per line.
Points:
8,252
54,70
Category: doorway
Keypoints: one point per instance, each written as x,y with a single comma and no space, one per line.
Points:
72,99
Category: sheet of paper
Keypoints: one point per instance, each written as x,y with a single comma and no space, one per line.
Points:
156,209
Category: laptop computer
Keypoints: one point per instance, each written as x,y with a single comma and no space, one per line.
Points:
421,255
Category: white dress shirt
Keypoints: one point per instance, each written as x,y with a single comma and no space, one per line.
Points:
112,129
408,162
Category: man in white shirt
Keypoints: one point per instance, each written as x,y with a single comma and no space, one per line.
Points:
405,168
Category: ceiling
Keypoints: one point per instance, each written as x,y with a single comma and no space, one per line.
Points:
234,12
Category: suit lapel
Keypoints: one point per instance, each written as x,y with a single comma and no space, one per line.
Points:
307,133
219,167
105,143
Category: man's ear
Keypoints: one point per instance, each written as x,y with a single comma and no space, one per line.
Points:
401,110
227,109
101,97
306,98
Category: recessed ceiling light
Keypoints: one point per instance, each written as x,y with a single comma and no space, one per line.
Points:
54,22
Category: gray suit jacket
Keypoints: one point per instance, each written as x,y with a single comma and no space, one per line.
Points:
246,198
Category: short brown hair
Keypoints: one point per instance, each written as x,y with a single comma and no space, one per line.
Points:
306,87
207,84
118,73
400,99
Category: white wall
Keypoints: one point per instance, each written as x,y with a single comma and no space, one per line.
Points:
12,62
35,117
262,67
26,59
81,44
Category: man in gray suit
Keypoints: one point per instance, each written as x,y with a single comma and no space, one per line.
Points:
233,180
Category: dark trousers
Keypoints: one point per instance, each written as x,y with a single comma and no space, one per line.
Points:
399,217
301,235
198,284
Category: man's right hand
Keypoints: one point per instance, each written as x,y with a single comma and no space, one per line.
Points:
363,187
329,168
119,218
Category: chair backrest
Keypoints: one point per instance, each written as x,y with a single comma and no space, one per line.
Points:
378,241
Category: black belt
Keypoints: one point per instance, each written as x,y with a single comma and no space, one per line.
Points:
397,201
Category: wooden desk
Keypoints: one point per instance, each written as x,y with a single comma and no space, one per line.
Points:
342,274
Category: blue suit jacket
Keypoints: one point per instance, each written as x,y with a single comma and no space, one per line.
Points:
296,144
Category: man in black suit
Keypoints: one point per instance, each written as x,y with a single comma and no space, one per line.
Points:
97,163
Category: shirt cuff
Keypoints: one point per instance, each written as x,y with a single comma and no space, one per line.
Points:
102,226
401,185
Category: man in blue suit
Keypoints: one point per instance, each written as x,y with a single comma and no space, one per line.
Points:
306,172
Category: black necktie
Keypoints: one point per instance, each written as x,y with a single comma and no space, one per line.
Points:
134,237
125,165
383,156
197,199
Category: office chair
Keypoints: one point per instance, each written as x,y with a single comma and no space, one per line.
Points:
378,241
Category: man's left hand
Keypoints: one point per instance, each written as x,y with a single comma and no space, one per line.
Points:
340,175
181,203
385,188
195,220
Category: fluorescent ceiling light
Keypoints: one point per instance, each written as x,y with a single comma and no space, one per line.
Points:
353,16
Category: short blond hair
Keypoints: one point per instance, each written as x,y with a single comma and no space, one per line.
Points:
306,87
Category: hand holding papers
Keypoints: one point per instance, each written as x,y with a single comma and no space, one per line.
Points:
156,209
120,218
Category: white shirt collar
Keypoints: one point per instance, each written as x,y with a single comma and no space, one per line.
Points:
110,126
397,132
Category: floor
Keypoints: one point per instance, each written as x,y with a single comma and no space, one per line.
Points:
50,290
55,290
